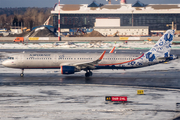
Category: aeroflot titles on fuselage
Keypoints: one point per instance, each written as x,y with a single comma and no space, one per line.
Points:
62,56
33,55
40,54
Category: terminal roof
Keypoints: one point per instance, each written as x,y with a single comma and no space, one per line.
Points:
95,4
138,4
137,8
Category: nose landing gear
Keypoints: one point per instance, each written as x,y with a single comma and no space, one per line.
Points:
22,74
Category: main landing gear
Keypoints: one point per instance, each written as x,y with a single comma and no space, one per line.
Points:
88,73
22,74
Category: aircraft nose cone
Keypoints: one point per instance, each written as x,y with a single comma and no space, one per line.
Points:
4,63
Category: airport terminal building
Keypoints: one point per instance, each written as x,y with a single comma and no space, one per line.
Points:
158,17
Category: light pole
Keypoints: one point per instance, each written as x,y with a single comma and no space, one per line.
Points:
59,24
132,17
173,25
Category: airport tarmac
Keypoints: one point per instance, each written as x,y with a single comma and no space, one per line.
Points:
48,95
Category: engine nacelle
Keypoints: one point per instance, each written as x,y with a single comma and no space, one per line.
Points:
67,69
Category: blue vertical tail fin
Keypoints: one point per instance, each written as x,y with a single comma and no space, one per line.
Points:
163,46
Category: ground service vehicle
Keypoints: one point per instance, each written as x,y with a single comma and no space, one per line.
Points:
19,39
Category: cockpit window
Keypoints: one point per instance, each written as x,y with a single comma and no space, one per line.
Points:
11,58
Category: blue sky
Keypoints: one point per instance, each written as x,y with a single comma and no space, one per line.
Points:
50,3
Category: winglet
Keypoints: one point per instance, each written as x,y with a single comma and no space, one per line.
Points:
102,55
112,50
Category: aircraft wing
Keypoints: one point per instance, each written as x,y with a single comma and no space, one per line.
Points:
85,65
90,64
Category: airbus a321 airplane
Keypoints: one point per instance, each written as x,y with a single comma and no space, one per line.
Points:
69,63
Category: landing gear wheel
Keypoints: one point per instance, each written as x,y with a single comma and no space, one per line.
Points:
90,73
22,75
87,74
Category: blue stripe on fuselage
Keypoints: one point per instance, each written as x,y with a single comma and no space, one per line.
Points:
113,67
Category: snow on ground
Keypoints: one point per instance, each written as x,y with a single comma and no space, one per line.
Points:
119,45
86,102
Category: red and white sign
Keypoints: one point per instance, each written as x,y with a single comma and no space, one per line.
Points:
119,98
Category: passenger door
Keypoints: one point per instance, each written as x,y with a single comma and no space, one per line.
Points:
21,60
55,60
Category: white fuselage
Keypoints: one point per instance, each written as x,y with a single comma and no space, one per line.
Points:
56,60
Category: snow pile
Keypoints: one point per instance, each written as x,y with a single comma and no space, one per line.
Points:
41,32
41,28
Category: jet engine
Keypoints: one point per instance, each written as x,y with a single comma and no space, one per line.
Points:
67,69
